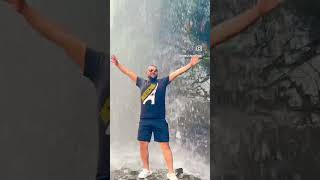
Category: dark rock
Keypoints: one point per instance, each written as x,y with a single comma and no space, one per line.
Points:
129,174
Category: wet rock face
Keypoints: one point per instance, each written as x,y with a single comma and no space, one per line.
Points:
264,124
161,174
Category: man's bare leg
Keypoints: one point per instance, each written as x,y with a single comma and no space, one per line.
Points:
144,154
166,150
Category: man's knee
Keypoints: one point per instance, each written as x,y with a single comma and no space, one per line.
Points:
165,146
144,144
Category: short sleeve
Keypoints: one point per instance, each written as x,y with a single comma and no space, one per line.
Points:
96,68
166,81
139,82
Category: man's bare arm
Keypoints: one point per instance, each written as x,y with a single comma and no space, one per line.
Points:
194,61
73,47
132,75
237,24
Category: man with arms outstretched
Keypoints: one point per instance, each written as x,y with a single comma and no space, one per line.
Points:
94,65
152,116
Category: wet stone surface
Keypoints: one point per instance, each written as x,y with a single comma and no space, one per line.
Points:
161,174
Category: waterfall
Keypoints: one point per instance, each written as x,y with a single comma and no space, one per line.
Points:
161,33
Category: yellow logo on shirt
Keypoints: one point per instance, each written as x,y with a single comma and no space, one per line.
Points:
105,111
148,91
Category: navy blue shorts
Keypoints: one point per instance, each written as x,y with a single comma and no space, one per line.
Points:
159,128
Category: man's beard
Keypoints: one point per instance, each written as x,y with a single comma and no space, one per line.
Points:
153,79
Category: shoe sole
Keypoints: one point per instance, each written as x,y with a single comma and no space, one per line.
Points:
145,177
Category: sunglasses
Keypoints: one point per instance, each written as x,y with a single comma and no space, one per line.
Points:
153,70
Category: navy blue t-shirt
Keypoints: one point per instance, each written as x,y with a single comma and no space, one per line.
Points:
97,69
153,95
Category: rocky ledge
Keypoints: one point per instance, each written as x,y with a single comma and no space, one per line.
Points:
129,174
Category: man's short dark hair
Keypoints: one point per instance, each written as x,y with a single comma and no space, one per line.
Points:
154,66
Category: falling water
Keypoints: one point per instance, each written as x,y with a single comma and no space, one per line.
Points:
161,32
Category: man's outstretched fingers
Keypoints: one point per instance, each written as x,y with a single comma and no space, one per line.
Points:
195,60
114,60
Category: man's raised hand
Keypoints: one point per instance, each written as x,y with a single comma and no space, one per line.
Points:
194,60
114,60
18,5
265,6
